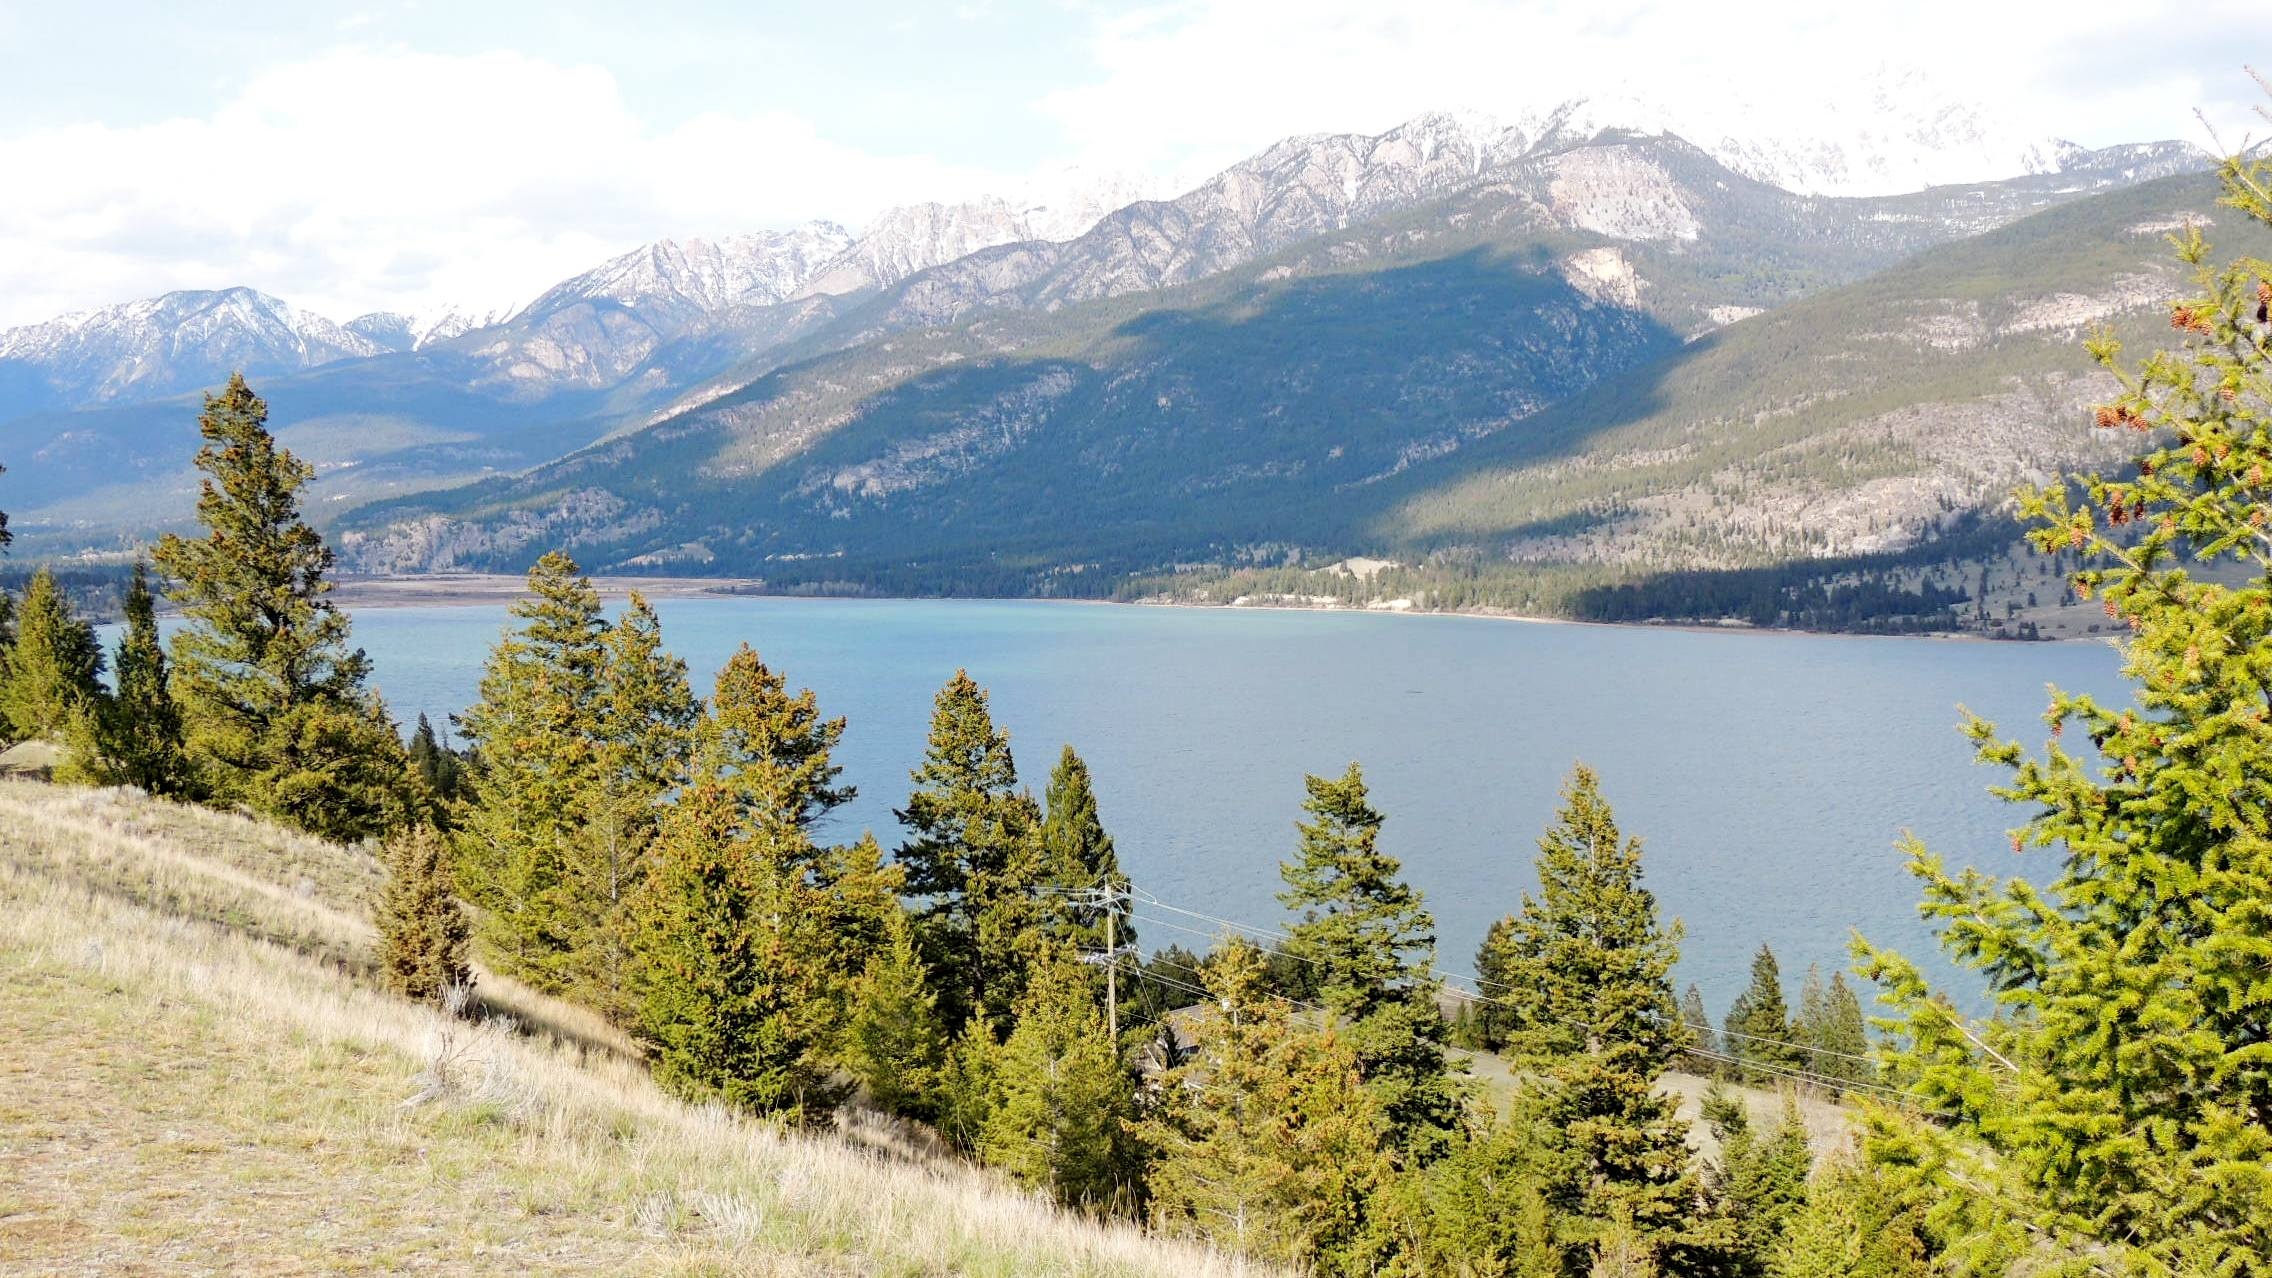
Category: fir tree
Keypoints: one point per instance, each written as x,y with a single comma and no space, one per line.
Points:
1059,1112
893,1040
1759,1031
1854,1224
778,747
972,860
1703,1044
1760,1180
1480,1210
422,929
2114,1114
439,767
1267,1141
1492,982
134,737
1591,1013
1370,947
644,733
537,772
54,673
1831,1031
1078,855
273,701
729,967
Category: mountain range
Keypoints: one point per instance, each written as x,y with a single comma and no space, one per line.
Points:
1320,350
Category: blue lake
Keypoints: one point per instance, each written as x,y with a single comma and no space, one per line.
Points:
1769,775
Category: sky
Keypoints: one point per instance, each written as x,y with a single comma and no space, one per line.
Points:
406,156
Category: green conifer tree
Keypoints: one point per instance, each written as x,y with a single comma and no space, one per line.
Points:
1759,1029
438,766
1370,947
1267,1141
728,977
536,774
1492,982
643,738
894,1041
1591,1013
1854,1224
1480,1210
2114,1114
778,747
422,928
1760,1180
1704,1045
1843,1046
1078,855
134,737
1830,1031
1059,1116
972,860
54,673
274,707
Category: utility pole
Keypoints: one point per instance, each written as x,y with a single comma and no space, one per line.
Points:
1109,899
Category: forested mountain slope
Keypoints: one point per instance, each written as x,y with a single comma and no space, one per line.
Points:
673,326
1475,383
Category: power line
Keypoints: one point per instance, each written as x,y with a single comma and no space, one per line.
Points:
1252,930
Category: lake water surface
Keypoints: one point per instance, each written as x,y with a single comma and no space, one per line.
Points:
1768,774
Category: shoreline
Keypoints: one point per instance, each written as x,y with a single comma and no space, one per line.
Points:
444,590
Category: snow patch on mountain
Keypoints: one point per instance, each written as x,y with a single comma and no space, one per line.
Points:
180,341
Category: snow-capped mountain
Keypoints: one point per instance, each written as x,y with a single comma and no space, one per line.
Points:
167,345
396,331
1068,237
1884,134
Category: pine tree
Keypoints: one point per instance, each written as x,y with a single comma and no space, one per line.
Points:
134,737
893,1040
1492,982
273,701
1830,1031
2114,1114
1704,1045
779,748
973,859
1480,1210
536,774
1759,1031
422,928
1078,855
1591,1013
1370,947
439,768
643,738
1266,1141
729,973
1059,1114
1853,1224
1843,1046
54,672
1760,1180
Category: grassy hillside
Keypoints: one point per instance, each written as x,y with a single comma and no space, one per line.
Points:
196,1074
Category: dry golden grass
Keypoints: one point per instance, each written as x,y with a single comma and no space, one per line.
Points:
196,1076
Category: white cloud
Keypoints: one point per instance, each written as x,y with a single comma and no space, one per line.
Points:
386,178
369,176
1201,81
